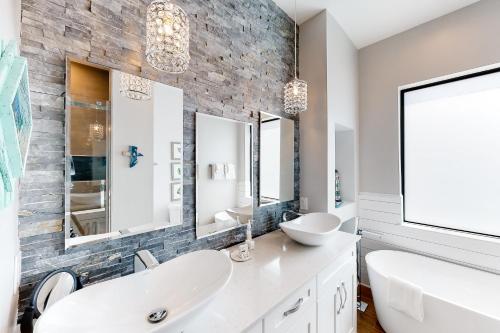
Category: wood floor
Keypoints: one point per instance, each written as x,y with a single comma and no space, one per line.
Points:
367,321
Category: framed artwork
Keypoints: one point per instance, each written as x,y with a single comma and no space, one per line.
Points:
176,191
176,171
15,118
176,151
15,108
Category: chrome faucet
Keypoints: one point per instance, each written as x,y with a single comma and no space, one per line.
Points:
144,260
285,212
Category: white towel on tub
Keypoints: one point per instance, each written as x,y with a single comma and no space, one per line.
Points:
405,297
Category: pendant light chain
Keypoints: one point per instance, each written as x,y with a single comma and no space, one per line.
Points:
295,36
295,91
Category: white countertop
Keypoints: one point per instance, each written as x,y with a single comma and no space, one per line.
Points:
278,268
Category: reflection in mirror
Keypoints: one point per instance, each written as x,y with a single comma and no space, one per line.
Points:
123,154
224,174
276,159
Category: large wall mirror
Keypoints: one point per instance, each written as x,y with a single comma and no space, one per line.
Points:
276,159
224,172
123,154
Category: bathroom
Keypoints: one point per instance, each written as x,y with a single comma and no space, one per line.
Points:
249,166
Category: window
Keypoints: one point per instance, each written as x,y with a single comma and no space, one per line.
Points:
450,153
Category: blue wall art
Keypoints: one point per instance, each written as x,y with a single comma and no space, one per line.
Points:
15,118
133,154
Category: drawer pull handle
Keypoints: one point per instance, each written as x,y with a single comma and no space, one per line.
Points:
294,308
345,292
341,301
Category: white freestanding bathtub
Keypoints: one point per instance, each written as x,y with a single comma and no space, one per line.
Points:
456,299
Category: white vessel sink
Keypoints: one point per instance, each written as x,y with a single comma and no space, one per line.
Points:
312,229
182,286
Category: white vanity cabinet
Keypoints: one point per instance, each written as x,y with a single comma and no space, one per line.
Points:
326,304
287,288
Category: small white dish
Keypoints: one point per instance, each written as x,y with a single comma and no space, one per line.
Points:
235,255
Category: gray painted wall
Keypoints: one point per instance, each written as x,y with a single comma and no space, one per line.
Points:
462,40
313,129
329,63
343,109
242,55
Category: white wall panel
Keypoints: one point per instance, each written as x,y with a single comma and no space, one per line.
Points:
384,232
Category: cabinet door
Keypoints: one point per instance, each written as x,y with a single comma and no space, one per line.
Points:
337,297
346,319
328,306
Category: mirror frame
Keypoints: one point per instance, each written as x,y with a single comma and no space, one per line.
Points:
252,173
260,204
67,152
108,195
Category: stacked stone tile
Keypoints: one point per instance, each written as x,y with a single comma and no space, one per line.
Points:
241,57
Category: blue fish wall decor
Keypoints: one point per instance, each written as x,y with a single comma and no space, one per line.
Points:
134,155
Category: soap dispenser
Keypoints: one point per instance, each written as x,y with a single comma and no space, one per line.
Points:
249,241
338,196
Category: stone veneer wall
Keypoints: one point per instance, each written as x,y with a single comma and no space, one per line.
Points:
242,55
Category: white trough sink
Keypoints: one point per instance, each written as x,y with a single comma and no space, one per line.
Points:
182,286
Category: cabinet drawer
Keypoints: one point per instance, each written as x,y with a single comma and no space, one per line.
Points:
307,324
291,311
328,278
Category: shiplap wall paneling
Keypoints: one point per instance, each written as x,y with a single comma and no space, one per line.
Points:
381,221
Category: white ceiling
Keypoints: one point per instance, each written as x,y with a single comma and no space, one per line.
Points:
369,21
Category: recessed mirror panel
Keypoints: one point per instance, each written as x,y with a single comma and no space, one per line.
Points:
224,174
276,159
123,154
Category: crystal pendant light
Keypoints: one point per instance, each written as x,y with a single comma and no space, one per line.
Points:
96,131
135,87
167,33
296,90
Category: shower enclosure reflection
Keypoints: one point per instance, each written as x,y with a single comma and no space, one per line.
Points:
123,154
87,164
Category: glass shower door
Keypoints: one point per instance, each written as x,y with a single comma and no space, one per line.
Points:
87,167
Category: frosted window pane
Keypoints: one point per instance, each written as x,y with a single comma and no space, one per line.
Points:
452,155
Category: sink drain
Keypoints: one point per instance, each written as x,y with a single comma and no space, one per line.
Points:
157,315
